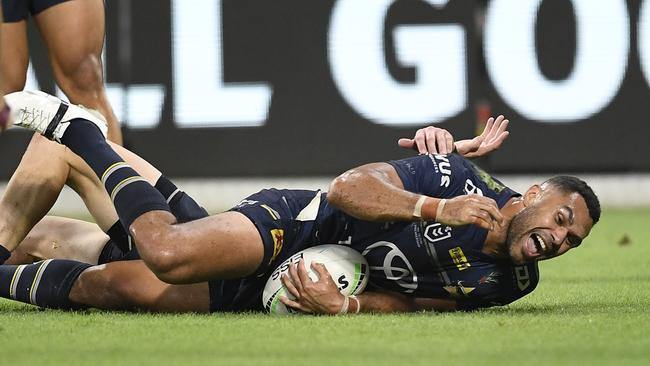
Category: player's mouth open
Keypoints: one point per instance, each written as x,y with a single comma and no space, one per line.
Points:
535,246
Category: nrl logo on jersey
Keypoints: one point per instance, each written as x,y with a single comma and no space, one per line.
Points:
436,232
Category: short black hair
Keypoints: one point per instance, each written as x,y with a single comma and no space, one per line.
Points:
570,184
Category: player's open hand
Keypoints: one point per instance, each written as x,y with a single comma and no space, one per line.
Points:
471,209
319,297
491,139
429,140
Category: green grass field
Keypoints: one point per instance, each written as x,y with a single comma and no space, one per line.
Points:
591,308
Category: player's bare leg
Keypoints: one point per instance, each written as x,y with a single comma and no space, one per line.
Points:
130,285
32,190
74,34
14,56
60,238
35,186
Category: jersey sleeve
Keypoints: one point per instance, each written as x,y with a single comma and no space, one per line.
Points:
439,176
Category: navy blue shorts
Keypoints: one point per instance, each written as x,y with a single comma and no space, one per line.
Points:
17,10
285,221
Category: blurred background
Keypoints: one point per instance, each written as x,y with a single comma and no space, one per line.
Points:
230,96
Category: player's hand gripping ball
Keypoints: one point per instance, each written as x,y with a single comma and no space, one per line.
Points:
348,268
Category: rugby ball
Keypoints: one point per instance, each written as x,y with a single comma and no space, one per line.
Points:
348,268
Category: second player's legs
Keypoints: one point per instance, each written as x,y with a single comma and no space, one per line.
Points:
32,190
74,34
35,185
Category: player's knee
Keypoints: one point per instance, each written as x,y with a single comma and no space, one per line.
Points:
82,75
45,181
168,264
162,247
31,169
161,262
169,267
161,256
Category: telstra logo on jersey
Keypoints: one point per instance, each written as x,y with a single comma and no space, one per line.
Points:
395,266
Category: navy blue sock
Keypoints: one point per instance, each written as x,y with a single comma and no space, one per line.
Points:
182,205
130,193
4,254
46,284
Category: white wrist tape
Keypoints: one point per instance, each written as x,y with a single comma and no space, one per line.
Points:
345,306
358,304
417,210
441,205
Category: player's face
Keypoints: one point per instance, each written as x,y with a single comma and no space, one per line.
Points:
549,226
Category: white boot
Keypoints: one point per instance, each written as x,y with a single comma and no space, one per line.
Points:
47,114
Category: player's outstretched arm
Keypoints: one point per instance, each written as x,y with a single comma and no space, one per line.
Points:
375,192
434,140
323,296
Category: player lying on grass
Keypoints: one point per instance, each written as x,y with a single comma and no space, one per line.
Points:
437,232
37,183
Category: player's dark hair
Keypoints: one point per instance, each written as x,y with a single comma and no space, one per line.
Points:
569,184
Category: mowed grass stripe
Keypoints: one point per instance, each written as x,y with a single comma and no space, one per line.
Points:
590,308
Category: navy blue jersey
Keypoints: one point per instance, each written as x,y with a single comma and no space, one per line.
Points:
428,259
418,259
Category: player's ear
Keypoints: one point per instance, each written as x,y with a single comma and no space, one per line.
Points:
531,194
